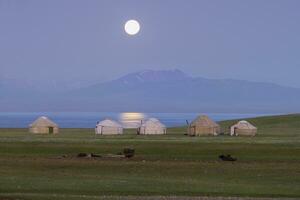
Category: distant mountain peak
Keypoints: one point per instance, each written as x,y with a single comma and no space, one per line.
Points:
154,76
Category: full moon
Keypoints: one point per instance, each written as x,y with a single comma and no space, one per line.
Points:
132,27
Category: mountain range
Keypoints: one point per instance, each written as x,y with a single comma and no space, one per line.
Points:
155,91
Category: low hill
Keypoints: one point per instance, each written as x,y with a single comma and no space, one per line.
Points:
279,125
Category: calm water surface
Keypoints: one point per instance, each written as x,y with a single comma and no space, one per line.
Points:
89,119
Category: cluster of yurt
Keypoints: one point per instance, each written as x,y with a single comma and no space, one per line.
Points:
201,126
151,126
204,126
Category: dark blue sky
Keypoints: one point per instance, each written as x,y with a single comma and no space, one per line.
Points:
70,39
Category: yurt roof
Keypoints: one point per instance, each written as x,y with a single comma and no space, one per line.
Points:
204,120
43,122
153,121
109,123
244,125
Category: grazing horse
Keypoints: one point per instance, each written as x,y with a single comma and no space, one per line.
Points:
227,158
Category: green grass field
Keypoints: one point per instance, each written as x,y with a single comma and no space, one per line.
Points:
33,166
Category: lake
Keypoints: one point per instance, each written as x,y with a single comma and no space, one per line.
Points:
89,119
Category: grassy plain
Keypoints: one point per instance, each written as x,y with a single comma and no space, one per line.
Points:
46,167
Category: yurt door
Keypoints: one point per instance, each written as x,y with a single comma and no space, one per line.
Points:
192,130
51,130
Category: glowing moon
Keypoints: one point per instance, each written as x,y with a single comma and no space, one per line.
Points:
132,27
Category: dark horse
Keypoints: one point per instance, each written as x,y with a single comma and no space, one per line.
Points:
227,158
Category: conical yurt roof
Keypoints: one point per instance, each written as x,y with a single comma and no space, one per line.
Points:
43,122
205,121
109,123
153,121
244,125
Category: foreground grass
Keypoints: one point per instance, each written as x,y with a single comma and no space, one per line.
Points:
33,166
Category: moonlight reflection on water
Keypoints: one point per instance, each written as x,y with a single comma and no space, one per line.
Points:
132,119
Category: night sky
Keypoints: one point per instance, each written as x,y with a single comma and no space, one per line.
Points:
71,39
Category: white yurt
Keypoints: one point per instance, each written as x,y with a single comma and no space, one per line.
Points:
243,128
108,127
152,127
43,125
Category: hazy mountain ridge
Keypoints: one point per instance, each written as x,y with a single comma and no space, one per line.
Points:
153,76
174,91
